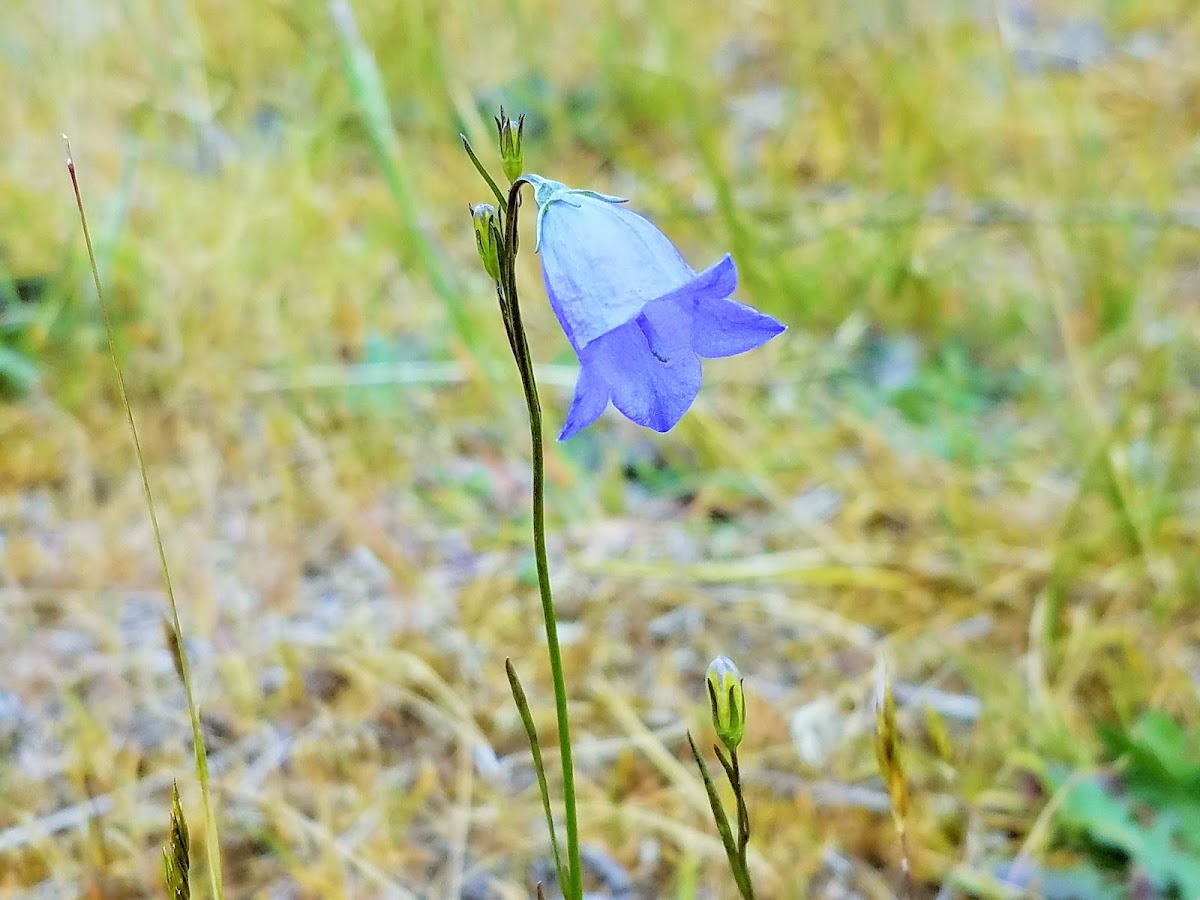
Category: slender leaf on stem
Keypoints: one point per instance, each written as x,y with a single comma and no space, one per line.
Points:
718,811
725,764
176,641
484,173
539,767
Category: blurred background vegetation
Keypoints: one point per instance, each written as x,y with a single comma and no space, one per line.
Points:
973,454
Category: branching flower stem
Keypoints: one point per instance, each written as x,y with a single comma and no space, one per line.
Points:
511,310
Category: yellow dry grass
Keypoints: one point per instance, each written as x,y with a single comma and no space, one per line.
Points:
342,475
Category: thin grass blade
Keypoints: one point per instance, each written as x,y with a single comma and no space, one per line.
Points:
370,96
176,642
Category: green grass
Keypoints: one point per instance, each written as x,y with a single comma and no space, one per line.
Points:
973,452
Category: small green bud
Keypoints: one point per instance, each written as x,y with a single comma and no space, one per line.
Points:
510,134
727,700
487,237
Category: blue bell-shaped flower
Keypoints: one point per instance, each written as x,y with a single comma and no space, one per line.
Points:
637,315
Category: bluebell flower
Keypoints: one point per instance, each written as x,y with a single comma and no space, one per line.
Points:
637,315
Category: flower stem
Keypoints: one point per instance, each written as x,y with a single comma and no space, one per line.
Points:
735,849
556,667
520,347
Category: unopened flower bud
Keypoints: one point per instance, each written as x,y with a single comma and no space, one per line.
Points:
511,156
727,700
487,237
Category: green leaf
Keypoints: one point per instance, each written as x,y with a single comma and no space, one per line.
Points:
1157,748
16,318
1160,771
1151,840
18,373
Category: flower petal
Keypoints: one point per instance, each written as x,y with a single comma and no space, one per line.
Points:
673,312
645,389
591,399
717,326
722,327
717,281
602,264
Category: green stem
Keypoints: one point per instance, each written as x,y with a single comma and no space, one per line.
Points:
742,812
741,869
737,866
520,346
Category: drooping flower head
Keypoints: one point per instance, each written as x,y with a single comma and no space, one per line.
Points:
637,315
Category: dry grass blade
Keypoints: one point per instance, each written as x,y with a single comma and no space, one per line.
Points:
179,656
974,450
